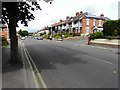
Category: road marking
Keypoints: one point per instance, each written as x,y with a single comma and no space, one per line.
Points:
38,73
99,59
35,79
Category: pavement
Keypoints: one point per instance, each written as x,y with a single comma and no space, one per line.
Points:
12,74
16,76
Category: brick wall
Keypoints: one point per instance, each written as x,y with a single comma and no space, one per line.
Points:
83,30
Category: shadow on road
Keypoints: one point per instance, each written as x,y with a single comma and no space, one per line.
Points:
48,57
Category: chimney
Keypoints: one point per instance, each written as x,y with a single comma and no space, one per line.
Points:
61,20
77,13
102,15
81,12
67,17
86,13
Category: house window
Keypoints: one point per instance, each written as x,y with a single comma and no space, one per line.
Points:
94,22
87,21
100,22
87,30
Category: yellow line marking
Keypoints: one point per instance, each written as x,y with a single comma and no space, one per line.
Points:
35,80
38,73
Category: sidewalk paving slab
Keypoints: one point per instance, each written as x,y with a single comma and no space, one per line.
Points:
12,73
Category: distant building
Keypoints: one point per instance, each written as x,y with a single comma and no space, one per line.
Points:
45,30
80,24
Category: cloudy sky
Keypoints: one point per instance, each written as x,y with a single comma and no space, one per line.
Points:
59,9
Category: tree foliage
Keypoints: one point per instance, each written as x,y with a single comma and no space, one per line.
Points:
23,33
97,35
20,10
14,12
111,28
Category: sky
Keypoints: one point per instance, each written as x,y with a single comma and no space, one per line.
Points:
59,9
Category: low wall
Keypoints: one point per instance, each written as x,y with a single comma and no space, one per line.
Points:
113,42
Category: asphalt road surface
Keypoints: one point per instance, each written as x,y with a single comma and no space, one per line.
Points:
74,64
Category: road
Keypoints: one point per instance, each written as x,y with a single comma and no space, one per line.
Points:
74,64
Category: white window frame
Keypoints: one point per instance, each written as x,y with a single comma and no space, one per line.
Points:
100,23
94,22
87,21
87,30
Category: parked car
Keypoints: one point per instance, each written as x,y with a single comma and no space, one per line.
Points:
22,38
39,38
35,37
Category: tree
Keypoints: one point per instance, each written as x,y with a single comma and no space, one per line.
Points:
12,13
19,32
111,27
23,33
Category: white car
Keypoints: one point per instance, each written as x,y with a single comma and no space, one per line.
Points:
22,38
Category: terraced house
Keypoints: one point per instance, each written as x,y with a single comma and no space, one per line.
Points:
81,24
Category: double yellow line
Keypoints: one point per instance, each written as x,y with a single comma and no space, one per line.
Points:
33,73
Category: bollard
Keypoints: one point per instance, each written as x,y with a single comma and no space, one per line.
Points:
89,40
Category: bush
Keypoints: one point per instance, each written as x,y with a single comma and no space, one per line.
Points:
4,41
115,33
112,37
68,35
65,36
72,35
57,35
97,35
92,36
47,36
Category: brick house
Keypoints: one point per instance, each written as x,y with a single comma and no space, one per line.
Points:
81,24
4,32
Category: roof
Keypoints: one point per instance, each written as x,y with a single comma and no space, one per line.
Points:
89,15
59,23
84,15
66,21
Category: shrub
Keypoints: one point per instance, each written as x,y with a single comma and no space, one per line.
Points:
72,35
4,41
57,35
68,35
97,35
46,36
65,36
115,33
92,36
112,37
